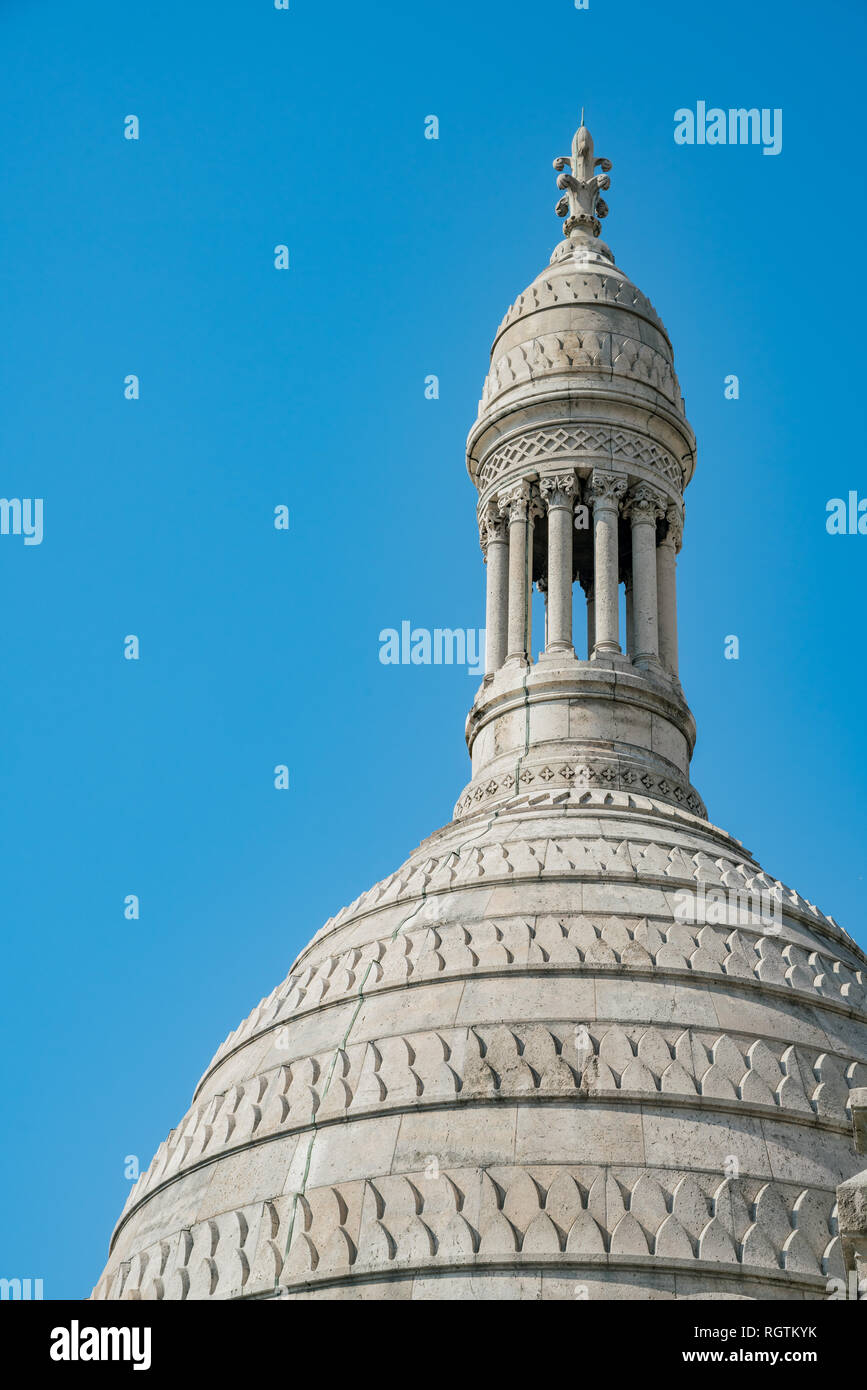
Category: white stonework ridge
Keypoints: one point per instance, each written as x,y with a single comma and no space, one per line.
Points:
513,1069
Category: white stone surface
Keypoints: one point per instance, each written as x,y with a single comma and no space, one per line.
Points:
511,1069
525,1094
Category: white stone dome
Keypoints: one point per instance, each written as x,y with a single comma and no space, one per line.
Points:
583,319
507,1070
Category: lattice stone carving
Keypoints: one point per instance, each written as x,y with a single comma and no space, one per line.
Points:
553,442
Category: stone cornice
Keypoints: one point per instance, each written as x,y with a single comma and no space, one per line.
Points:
755,1278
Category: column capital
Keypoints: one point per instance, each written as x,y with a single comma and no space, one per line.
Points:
492,527
606,490
644,503
674,534
558,489
514,503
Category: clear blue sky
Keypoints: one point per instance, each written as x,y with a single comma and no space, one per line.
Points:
306,387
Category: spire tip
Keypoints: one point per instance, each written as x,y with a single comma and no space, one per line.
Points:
582,206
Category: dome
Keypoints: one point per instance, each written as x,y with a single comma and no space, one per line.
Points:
582,324
508,1070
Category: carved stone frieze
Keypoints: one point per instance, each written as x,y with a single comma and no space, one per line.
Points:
539,1215
622,447
598,773
587,351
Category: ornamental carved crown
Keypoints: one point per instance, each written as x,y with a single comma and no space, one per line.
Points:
582,202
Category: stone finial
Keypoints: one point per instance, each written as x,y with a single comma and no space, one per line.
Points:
582,201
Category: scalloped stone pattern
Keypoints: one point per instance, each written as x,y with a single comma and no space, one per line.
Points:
573,320
559,354
555,287
510,1070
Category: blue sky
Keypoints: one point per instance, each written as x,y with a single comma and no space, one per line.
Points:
306,387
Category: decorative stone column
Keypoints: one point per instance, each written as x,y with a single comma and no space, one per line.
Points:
606,490
534,511
630,612
643,506
586,582
514,504
542,586
666,588
557,493
495,546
